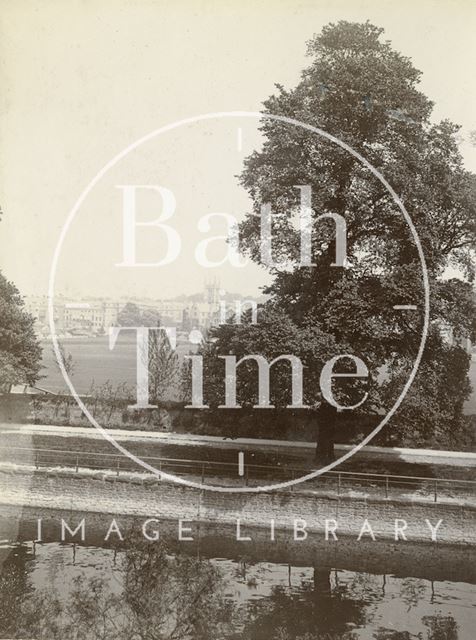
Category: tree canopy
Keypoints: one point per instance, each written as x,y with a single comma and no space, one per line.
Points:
360,90
20,352
131,315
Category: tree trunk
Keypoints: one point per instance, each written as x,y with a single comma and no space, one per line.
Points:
321,580
326,425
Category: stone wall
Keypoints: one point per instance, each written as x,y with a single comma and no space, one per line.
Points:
132,494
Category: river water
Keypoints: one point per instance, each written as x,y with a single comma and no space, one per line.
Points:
377,591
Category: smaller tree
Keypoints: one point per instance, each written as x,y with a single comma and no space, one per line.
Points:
129,316
107,398
163,365
150,318
66,358
20,351
132,316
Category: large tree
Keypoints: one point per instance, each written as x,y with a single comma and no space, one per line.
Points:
362,91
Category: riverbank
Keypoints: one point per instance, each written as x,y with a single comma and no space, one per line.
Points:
298,448
436,562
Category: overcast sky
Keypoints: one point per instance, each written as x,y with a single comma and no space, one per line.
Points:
80,81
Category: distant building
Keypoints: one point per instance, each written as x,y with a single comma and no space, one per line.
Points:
94,317
192,311
90,317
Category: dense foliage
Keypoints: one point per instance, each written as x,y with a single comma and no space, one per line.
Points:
359,89
20,353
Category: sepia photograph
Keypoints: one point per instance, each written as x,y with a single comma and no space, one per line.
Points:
237,320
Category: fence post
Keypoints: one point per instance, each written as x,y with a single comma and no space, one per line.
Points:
203,472
436,490
338,484
117,467
37,460
77,463
386,486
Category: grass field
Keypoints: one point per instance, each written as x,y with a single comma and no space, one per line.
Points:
95,362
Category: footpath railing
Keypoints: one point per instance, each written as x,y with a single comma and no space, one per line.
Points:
247,474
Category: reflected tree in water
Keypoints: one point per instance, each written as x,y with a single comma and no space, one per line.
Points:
412,591
153,595
159,597
441,627
14,587
317,610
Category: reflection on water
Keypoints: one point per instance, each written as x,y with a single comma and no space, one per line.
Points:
147,593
